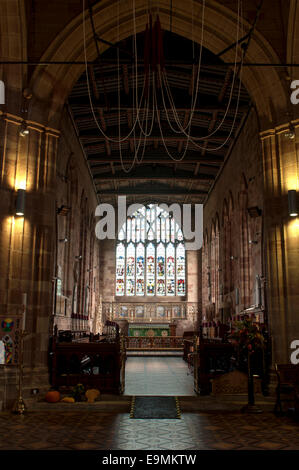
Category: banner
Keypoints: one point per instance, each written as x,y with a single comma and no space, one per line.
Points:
10,328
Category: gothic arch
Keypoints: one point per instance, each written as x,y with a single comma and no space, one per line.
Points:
215,263
225,212
13,47
245,248
217,223
53,83
150,255
227,245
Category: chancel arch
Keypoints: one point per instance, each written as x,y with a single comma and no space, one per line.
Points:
52,84
153,281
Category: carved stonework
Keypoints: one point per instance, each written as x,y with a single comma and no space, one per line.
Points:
232,383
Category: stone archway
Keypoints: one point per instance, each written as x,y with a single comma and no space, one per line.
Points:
13,46
53,83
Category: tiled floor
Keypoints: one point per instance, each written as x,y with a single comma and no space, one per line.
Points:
98,430
158,376
208,424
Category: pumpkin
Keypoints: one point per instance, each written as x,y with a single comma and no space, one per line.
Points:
53,396
92,394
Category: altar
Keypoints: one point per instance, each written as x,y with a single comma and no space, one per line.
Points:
149,329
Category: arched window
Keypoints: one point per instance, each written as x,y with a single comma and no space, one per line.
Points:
150,255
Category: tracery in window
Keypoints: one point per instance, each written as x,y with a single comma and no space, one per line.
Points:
150,255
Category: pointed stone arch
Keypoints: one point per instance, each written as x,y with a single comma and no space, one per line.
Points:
53,83
13,47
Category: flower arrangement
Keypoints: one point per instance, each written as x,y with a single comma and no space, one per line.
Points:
247,336
250,343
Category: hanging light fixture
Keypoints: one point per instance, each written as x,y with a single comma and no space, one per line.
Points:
292,199
155,74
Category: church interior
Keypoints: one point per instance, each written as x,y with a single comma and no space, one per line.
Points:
149,224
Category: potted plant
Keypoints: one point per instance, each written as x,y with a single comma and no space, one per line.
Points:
250,343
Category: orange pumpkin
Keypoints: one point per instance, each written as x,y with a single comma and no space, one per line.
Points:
53,396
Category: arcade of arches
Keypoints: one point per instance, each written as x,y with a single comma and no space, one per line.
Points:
248,262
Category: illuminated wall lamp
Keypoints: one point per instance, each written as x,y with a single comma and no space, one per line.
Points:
20,203
23,129
292,198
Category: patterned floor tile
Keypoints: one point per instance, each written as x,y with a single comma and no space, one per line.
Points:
158,376
95,430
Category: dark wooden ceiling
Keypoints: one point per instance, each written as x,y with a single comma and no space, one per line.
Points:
158,177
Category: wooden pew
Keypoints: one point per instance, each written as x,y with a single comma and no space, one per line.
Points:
213,358
93,364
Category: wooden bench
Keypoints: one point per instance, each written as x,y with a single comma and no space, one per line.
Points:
287,389
212,359
93,364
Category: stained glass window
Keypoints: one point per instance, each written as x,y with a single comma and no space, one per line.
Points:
170,269
150,255
160,269
150,269
120,269
180,269
130,271
140,269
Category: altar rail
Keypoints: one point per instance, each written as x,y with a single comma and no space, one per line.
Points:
157,343
141,311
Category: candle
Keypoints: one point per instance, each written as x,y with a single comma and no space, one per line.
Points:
24,304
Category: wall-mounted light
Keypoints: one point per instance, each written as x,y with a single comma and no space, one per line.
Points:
63,240
24,129
253,242
292,198
20,203
79,257
290,133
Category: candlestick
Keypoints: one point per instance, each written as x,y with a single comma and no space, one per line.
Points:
19,406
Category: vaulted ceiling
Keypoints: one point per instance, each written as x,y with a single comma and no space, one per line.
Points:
158,177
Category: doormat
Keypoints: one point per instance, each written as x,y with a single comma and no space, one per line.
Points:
155,408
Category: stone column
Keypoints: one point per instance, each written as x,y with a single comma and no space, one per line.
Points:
281,234
27,243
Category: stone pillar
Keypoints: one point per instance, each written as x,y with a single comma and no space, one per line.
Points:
281,238
27,243
192,275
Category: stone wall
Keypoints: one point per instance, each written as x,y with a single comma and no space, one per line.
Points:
78,290
107,283
51,168
232,254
